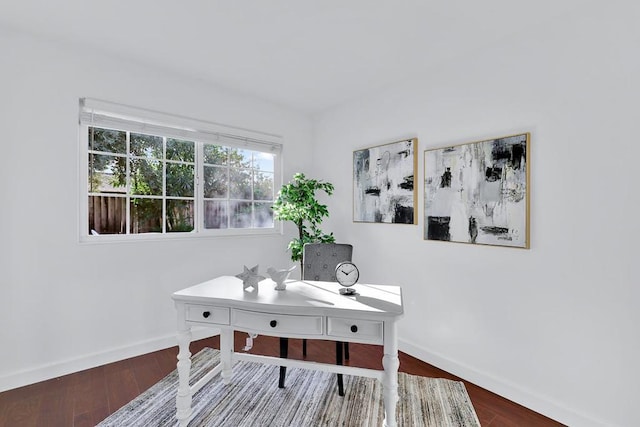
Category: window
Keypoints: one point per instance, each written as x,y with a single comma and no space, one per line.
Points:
146,176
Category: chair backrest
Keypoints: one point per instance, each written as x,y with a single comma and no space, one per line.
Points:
320,260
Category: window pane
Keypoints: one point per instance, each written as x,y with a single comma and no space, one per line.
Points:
263,186
240,214
239,158
179,216
240,184
112,141
180,181
107,174
263,215
264,161
146,216
215,214
146,177
139,182
180,150
107,215
215,154
215,181
146,145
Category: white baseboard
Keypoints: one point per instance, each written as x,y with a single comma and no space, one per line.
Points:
57,369
504,388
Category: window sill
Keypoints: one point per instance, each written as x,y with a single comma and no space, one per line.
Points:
146,237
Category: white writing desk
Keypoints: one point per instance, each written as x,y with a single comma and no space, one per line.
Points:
306,309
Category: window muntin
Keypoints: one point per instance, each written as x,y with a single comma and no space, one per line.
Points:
140,183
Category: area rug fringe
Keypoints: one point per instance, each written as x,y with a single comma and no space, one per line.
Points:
310,398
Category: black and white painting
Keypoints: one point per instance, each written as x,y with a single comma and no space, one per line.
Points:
478,192
383,183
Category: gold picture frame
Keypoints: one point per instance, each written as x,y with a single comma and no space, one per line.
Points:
384,185
479,192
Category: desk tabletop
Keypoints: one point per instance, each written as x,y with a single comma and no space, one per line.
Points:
300,297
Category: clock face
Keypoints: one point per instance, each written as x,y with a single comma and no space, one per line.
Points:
347,273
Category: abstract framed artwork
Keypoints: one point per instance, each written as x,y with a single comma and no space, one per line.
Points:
478,192
383,183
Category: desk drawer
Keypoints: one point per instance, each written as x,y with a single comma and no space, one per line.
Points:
207,314
277,324
355,330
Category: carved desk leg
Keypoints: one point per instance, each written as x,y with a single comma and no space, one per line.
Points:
391,363
226,354
183,399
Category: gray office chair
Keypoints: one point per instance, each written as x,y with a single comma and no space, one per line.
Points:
319,263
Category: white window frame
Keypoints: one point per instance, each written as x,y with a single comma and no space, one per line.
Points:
103,114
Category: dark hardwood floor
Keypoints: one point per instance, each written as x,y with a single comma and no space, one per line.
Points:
87,397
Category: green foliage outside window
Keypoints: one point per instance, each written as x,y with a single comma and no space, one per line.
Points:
162,171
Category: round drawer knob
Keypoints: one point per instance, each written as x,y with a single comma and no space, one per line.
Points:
273,323
354,328
206,314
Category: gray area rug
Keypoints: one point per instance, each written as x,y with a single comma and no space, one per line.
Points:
310,398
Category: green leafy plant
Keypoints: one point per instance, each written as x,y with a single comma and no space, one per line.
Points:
297,202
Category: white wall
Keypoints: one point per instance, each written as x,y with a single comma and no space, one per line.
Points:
65,306
554,327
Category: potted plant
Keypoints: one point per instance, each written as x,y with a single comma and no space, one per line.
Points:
297,202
